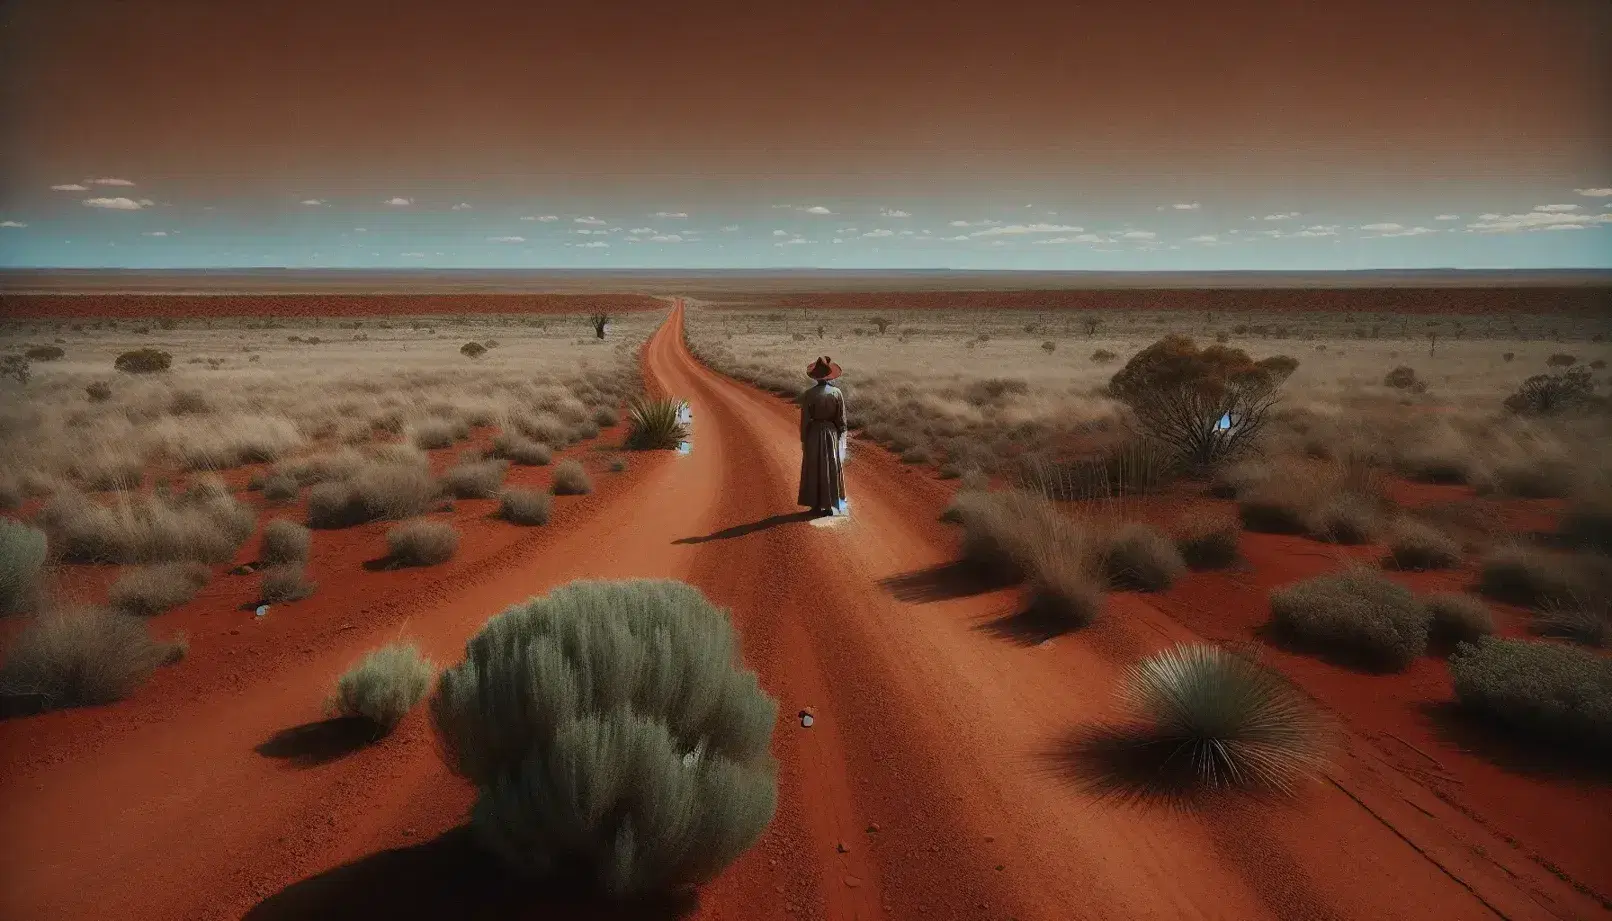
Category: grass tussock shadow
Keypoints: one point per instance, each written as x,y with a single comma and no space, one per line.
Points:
1126,765
1513,750
320,742
1032,624
740,530
944,582
448,877
386,563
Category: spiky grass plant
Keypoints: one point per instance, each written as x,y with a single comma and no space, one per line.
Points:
422,543
612,731
1140,556
1414,544
1219,720
384,686
655,424
81,657
22,558
285,583
285,542
570,479
151,590
525,506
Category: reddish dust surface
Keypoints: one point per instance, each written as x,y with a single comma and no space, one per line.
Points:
162,306
934,782
1591,301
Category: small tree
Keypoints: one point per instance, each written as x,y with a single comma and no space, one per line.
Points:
600,322
1208,404
472,350
1091,324
1547,394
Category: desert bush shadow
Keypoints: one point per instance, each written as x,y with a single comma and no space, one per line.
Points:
944,582
740,530
1514,750
1351,659
447,877
321,741
1029,625
1123,764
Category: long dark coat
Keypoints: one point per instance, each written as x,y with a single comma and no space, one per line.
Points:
822,426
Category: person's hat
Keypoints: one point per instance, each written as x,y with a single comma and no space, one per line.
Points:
823,369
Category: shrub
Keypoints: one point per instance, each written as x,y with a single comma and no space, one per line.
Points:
384,686
151,590
1535,478
1007,536
1209,718
1561,360
429,434
22,559
98,392
1181,393
1354,615
1555,692
1343,519
525,506
422,543
1584,620
1277,506
1415,545
383,491
1401,378
280,488
1208,541
1587,523
611,731
146,529
1049,346
1508,356
1233,480
1532,578
521,450
83,657
570,479
1455,618
143,361
472,350
606,416
1549,394
1132,467
618,465
1142,557
1103,356
285,542
475,480
285,583
44,353
1063,595
655,425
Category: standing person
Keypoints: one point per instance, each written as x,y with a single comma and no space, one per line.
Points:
822,430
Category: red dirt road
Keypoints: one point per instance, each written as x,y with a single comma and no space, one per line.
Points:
927,787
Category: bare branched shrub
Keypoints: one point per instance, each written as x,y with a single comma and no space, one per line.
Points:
1208,404
1554,692
151,590
570,479
611,731
422,543
1550,394
1356,615
285,542
72,658
384,686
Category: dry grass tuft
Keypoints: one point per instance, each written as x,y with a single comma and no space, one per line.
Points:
517,449
384,686
422,543
475,479
23,551
72,658
1208,541
1415,545
152,590
285,583
525,506
570,479
1140,556
285,542
1456,618
146,529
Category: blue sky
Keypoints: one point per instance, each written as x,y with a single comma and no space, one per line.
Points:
113,221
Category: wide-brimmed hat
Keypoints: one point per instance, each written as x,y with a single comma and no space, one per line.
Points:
823,369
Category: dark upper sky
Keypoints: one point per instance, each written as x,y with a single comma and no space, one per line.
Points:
1098,113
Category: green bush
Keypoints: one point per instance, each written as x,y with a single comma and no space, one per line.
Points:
1549,394
22,559
1220,720
1534,578
1548,690
143,361
83,657
611,731
152,590
384,686
1356,616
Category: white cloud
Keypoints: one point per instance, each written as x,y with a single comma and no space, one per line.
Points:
1555,208
545,218
671,214
1565,227
462,206
506,239
879,232
114,204
1411,232
730,228
1281,216
313,201
795,242
666,238
906,233
70,187
584,231
836,240
1204,238
1186,206
1138,235
119,182
1025,228
1534,220
1077,238
361,229
146,202
961,236
780,233
415,255
399,202
1316,232
155,233
893,212
588,220
641,230
12,224
1382,228
1448,217
984,223
817,209
592,244
1594,193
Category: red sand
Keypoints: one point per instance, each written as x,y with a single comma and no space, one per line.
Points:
1589,301
928,760
160,306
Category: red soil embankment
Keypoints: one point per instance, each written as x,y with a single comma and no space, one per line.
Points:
204,306
1590,301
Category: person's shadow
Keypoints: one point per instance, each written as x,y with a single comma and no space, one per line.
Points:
740,530
448,877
